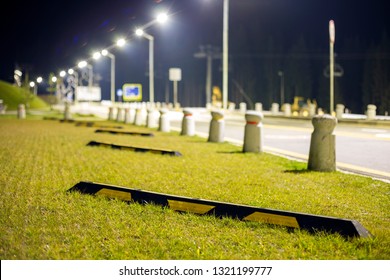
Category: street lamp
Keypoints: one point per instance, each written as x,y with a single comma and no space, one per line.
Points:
121,42
34,87
112,57
225,62
332,34
76,82
140,32
83,64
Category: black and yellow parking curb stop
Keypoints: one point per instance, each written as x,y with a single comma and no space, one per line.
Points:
134,149
94,124
133,133
311,223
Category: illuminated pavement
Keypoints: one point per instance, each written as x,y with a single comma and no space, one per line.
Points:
363,149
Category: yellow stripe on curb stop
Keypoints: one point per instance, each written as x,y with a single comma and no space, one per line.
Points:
126,196
272,219
196,208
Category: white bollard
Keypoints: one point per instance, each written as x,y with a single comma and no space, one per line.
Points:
164,123
312,110
140,116
322,155
151,120
111,113
231,106
275,108
217,127
259,107
21,111
339,111
188,123
287,110
67,114
127,115
132,114
371,112
253,140
120,117
242,107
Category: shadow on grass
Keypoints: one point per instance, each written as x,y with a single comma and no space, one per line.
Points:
230,152
298,171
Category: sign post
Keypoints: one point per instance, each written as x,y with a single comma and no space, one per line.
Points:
175,76
332,34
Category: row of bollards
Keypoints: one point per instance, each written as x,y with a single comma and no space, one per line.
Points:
322,155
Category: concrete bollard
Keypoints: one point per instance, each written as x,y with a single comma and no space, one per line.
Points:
217,127
242,107
120,117
231,106
127,115
140,116
188,123
67,114
287,110
164,123
253,140
111,113
339,111
275,108
312,110
132,115
151,120
21,111
322,155
371,112
259,107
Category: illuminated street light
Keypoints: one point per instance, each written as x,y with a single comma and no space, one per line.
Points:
96,55
162,18
34,87
54,79
83,64
121,42
112,57
62,74
39,80
140,32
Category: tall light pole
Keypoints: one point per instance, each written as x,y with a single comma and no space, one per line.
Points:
83,64
332,35
140,32
112,57
225,53
281,75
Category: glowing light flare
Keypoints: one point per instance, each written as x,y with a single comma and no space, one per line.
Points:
82,64
121,42
96,55
162,18
139,32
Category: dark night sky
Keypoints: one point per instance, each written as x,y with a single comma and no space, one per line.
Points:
46,36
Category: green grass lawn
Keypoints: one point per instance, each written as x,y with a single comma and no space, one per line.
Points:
12,96
41,159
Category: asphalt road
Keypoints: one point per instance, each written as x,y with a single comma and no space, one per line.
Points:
363,149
